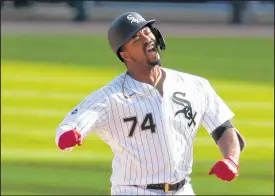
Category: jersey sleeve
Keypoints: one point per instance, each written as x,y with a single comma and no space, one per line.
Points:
88,116
216,111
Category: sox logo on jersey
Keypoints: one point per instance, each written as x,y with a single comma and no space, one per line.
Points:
187,110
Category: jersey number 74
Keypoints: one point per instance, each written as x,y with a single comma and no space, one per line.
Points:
147,124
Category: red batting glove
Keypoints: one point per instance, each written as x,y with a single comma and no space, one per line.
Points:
69,139
225,169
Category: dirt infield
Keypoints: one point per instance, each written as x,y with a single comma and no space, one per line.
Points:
100,28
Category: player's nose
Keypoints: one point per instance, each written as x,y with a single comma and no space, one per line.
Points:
146,42
145,38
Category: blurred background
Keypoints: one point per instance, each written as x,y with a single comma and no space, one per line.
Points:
54,53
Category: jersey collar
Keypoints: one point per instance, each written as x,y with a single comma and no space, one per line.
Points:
136,86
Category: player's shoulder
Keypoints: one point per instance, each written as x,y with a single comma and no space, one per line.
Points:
108,90
97,95
113,87
186,77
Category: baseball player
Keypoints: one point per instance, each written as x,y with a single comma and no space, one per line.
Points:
149,115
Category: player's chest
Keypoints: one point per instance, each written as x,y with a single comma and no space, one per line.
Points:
178,109
183,108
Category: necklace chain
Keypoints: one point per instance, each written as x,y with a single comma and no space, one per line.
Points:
140,95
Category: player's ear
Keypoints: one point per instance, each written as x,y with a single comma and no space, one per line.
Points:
125,55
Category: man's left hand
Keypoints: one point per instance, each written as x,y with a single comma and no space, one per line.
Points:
225,169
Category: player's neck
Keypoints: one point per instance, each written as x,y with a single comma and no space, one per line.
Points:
145,75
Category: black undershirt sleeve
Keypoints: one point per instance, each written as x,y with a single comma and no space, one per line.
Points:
218,132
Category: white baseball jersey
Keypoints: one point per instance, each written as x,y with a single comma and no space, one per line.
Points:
151,137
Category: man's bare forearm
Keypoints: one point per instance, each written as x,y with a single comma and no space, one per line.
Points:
229,145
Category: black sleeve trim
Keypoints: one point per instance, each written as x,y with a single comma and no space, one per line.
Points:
218,132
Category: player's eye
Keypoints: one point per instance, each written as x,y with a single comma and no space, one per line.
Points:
147,31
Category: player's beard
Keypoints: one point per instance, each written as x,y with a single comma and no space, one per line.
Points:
152,62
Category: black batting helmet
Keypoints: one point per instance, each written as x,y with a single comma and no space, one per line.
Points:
125,26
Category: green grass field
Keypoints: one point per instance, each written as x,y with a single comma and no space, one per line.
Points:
43,77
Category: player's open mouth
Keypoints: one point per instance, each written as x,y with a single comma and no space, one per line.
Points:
151,48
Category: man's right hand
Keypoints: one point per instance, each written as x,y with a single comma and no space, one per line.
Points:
69,139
